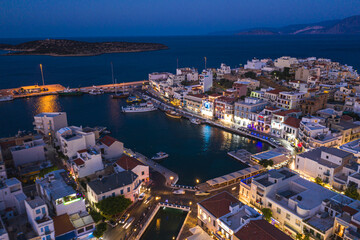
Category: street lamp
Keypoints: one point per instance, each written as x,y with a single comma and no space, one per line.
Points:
197,181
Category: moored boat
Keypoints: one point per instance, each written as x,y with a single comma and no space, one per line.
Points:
179,191
195,121
120,95
70,92
96,92
160,155
143,107
6,98
133,99
173,114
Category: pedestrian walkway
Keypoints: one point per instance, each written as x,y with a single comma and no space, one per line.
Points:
171,177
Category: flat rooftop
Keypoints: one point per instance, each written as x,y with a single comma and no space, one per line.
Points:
323,222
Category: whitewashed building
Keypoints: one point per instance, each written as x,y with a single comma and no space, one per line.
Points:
49,123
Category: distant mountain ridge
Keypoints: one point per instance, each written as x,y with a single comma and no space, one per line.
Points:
350,25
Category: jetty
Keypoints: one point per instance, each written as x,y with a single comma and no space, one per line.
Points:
53,89
241,155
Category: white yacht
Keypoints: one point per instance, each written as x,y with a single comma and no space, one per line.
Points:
143,107
195,121
160,155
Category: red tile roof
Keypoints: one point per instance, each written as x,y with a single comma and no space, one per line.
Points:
107,140
349,210
62,225
79,162
292,122
346,118
275,91
260,230
82,151
286,112
219,204
128,163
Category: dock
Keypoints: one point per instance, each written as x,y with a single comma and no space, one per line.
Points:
53,89
241,155
170,177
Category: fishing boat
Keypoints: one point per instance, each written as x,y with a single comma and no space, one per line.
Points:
70,92
195,121
96,92
143,107
6,98
133,99
173,114
179,192
160,155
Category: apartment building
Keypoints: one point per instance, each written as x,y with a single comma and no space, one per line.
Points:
313,133
49,123
110,148
290,100
88,162
58,190
75,226
73,139
31,151
224,109
291,198
208,105
246,112
285,62
324,163
39,218
206,79
349,131
124,183
223,215
12,197
312,105
193,102
127,163
278,119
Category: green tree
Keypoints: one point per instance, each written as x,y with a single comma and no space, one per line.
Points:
266,163
267,214
45,171
300,236
319,181
100,229
113,205
352,192
250,74
96,215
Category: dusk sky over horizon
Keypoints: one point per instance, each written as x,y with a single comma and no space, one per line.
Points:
66,18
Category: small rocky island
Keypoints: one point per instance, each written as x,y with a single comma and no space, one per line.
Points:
62,47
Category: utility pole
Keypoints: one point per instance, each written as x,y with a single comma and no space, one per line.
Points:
42,74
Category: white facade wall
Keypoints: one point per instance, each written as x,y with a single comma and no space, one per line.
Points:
49,123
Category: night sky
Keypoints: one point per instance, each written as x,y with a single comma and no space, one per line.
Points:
61,18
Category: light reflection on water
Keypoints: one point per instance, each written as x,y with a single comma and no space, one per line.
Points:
206,133
49,103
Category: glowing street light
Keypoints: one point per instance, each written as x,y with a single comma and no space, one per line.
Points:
197,180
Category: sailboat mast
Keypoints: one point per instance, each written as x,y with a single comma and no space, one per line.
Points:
112,75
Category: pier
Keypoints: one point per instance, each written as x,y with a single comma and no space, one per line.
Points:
170,176
53,89
241,155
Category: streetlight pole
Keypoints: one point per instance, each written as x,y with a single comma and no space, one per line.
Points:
42,74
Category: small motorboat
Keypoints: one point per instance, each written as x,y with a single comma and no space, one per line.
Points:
195,121
160,155
173,114
201,193
179,192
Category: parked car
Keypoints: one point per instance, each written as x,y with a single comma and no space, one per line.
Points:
112,223
141,196
124,218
